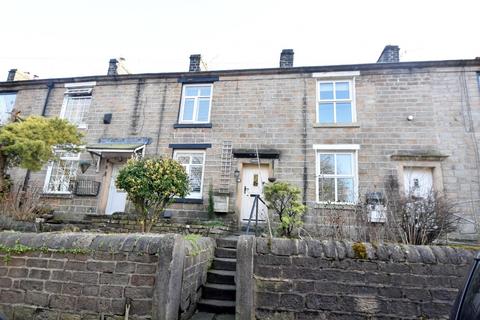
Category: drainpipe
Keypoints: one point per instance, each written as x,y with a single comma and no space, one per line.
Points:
304,142
44,111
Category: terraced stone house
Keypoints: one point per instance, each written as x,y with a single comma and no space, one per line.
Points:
338,132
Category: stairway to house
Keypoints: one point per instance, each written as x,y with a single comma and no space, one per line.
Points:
218,297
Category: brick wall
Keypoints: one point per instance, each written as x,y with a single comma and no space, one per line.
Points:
118,272
313,279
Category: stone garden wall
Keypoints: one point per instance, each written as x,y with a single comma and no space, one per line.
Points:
92,276
311,279
117,223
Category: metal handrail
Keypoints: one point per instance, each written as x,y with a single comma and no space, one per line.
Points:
254,208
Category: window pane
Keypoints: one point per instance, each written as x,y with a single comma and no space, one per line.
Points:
326,189
182,159
326,91
205,91
191,91
76,108
197,159
325,112
188,109
342,90
7,101
344,113
345,189
327,164
63,171
203,109
195,178
344,164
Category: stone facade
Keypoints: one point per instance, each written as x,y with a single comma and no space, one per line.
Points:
311,279
275,109
87,276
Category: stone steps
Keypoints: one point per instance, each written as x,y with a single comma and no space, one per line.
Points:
216,306
219,293
224,264
221,277
226,253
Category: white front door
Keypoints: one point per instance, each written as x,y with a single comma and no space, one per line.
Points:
418,181
253,179
116,198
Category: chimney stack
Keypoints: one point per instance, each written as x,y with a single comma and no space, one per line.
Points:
286,58
116,67
16,75
390,54
195,60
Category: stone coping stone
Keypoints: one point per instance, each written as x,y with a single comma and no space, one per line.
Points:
128,242
339,250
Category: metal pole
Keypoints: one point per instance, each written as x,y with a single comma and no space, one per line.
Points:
256,214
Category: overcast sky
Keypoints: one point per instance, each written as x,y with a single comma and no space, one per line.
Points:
62,38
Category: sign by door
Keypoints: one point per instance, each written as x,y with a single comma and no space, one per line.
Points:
253,179
116,198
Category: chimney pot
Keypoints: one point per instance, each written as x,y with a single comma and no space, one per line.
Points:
195,60
286,58
116,67
390,54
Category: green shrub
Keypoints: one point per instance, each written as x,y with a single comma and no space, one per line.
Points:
152,185
284,199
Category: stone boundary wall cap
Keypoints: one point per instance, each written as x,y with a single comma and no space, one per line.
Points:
339,250
131,242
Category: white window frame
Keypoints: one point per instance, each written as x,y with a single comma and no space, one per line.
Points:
83,89
75,157
336,149
176,152
196,104
334,101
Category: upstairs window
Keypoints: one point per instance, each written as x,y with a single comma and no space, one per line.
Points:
193,162
335,102
196,103
61,173
76,104
7,102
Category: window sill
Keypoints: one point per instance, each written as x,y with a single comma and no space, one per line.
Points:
192,125
57,195
336,206
336,125
188,200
